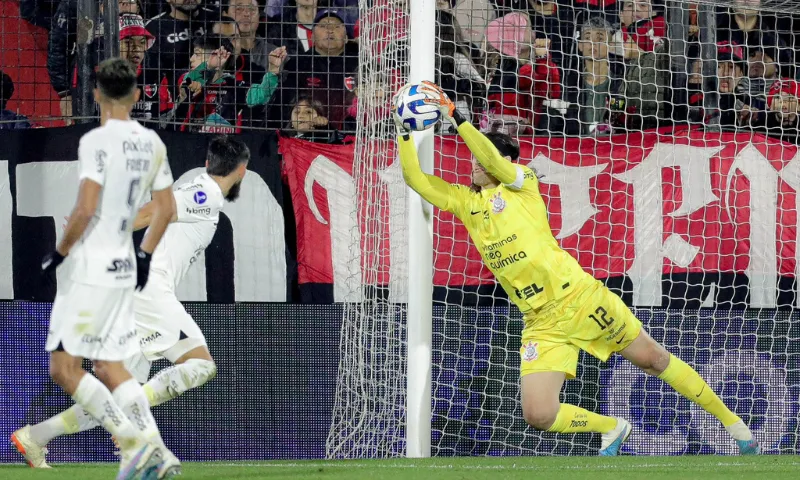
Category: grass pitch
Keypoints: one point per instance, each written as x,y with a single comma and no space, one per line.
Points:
463,468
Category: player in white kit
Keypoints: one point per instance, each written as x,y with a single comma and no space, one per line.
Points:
165,329
92,316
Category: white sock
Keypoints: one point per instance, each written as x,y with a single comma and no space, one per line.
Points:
73,420
175,380
130,396
95,398
739,431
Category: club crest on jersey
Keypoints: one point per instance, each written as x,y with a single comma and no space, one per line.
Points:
200,198
498,204
530,351
150,90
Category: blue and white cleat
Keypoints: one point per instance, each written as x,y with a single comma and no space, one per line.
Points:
613,440
748,447
142,464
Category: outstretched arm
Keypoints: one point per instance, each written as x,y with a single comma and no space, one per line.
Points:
430,187
480,146
486,153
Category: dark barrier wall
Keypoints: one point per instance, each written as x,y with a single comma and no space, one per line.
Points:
278,365
247,261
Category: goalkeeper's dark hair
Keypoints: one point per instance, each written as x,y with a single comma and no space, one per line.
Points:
225,154
504,144
116,78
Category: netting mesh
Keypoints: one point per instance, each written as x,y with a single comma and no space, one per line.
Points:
664,137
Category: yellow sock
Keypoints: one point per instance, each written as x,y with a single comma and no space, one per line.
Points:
686,381
571,419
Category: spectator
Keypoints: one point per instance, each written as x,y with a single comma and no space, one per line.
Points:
154,95
9,120
695,112
294,26
732,85
174,32
61,48
783,109
253,50
763,64
639,104
225,26
214,100
455,72
377,101
597,77
261,93
640,21
308,119
518,86
557,21
329,70
751,28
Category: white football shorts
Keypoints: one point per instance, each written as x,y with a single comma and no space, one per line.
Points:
93,322
166,330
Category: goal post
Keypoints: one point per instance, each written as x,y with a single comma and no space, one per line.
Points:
420,248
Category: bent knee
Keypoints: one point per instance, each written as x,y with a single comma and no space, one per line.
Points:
540,417
63,373
655,363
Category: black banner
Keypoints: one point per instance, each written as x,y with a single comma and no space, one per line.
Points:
247,260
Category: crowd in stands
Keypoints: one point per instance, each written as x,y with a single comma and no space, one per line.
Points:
543,67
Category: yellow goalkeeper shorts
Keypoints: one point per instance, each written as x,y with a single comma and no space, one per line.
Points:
592,318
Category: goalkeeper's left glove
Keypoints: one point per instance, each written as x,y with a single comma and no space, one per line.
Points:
446,106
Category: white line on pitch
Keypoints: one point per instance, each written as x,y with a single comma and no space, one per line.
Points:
348,464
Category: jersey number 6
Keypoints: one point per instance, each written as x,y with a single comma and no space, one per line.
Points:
133,194
604,321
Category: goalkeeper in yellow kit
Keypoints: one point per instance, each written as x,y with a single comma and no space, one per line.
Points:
565,309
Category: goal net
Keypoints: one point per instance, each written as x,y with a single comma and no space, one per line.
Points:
664,136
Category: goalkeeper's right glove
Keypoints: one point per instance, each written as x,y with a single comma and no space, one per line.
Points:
446,106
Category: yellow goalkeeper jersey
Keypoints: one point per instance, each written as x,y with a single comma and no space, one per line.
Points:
508,224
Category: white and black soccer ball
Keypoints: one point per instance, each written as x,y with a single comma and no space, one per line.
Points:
412,110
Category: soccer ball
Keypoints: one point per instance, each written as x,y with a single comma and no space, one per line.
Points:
412,111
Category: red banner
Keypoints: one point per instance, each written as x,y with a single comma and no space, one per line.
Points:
641,205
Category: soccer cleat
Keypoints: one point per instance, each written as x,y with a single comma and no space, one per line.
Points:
170,466
613,440
33,453
748,447
141,464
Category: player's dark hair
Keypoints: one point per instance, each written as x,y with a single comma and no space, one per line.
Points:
225,154
504,144
116,78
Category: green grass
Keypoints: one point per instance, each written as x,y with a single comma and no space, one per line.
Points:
471,468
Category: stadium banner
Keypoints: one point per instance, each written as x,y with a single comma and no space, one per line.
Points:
678,218
247,260
274,393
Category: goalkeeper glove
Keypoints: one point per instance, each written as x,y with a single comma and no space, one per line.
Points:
446,106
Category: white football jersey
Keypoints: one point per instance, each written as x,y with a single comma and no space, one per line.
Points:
198,205
128,160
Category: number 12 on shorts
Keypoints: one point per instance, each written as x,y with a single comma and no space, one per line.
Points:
604,321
